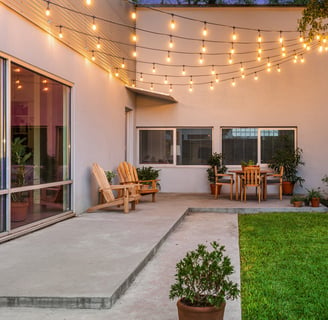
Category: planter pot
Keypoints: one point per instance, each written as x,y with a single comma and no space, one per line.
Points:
212,186
298,203
19,211
315,202
287,188
199,313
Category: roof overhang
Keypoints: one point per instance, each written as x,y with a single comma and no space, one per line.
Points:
152,94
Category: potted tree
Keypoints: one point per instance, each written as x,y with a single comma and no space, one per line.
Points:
110,175
215,159
19,158
297,200
290,160
202,283
148,174
314,196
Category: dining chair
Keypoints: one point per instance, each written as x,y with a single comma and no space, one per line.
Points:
276,179
222,179
251,177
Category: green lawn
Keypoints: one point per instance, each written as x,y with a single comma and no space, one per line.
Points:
284,266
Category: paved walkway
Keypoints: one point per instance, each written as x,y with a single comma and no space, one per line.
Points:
89,261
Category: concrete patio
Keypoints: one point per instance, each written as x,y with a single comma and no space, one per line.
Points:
110,265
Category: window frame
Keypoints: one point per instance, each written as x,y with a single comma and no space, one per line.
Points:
259,130
174,129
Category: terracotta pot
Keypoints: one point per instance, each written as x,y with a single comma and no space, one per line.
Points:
199,313
315,202
298,203
19,211
287,188
212,186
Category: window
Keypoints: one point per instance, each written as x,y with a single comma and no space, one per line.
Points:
40,145
257,144
2,147
180,146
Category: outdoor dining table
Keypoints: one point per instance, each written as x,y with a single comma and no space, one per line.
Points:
239,173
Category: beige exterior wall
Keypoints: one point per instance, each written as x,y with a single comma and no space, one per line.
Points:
295,97
98,101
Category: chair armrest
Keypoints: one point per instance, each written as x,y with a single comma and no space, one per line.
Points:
122,186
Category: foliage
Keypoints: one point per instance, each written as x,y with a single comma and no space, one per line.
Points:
248,163
110,175
314,18
296,198
290,160
202,277
216,159
314,193
325,180
19,158
281,253
148,173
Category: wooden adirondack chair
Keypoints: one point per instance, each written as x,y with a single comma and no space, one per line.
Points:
124,197
128,174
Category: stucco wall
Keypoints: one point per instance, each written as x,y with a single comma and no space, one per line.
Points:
294,97
98,101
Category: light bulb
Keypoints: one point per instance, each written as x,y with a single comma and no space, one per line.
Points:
232,50
191,81
190,88
302,59
48,9
171,42
133,83
134,53
116,72
98,44
234,35
243,75
217,78
278,68
204,30
168,58
123,63
203,46
183,71
172,23
259,37
170,89
259,50
213,70
165,80
259,58
154,68
230,59
60,32
201,59
301,38
211,86
256,77
233,83
141,76
93,58
133,15
241,67
94,26
281,39
88,2
151,86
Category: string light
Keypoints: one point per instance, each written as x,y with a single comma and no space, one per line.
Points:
154,68
204,29
233,83
93,58
141,76
172,23
295,58
170,88
151,86
234,35
168,58
134,36
241,67
48,9
133,83
134,53
60,32
259,37
278,68
302,59
217,80
256,77
281,39
213,70
232,50
301,37
201,59
94,26
134,15
259,49
123,63
171,45
190,88
183,70
203,46
191,81
259,58
88,2
230,59
116,72
98,43
211,86
243,75
165,80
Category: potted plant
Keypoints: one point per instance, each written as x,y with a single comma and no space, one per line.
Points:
19,158
202,283
290,160
215,159
314,196
324,199
110,175
148,173
248,163
297,200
